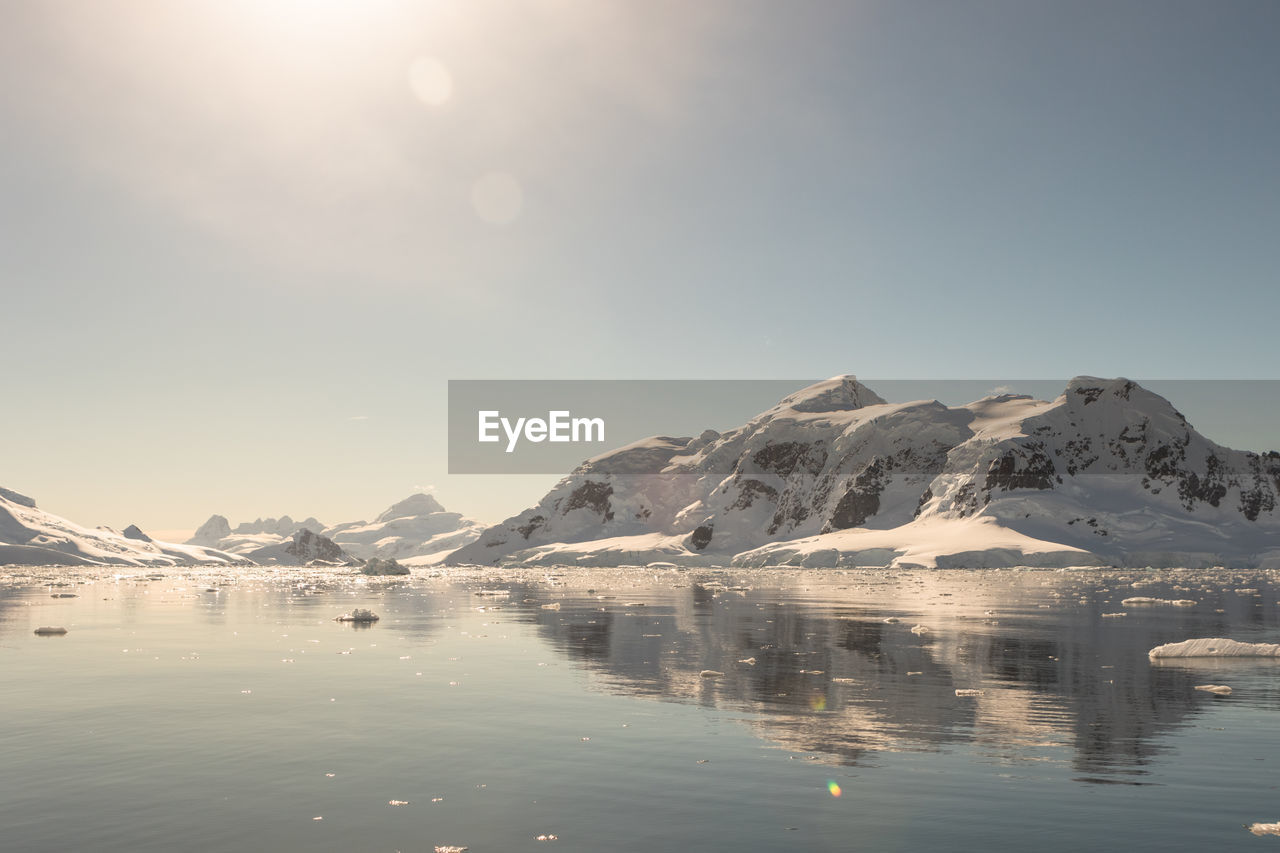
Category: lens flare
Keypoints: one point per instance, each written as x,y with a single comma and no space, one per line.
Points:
833,788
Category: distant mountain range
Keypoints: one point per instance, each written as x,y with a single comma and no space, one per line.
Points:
414,531
1106,474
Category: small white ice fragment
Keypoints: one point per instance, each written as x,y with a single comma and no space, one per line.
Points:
748,661
967,691
555,605
1215,689
1115,615
711,673
450,848
918,630
893,619
1265,829
397,802
548,837
1143,601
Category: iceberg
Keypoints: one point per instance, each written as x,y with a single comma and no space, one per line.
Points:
1215,647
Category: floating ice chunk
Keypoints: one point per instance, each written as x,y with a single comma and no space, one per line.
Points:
892,619
1215,647
358,615
968,691
918,630
397,802
1215,689
50,631
555,605
1143,601
449,848
748,661
64,595
711,673
840,679
1115,615
547,838
1265,829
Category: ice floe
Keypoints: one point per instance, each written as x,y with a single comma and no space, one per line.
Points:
1215,647
1215,689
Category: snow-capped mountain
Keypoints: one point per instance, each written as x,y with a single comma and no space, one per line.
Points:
1107,473
414,531
31,536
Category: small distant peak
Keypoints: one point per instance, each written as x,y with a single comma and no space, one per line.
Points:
838,394
14,497
211,531
416,504
134,532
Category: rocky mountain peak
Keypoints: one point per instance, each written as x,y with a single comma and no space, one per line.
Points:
217,527
414,505
838,394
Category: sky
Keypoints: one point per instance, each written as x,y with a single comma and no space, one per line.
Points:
245,244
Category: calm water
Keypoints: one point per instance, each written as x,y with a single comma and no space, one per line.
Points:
229,712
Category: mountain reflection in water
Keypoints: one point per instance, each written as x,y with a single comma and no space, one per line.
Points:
829,663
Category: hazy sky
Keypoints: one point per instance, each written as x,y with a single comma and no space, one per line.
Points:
245,244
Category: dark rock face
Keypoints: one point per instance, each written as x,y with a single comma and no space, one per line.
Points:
700,538
854,509
862,500
1025,467
593,496
307,546
133,532
527,529
380,567
785,457
750,490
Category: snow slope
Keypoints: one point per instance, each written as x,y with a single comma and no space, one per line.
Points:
1107,473
31,536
